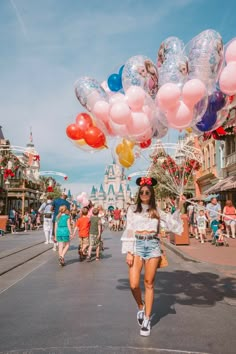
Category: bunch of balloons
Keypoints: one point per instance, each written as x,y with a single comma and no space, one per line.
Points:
85,132
187,88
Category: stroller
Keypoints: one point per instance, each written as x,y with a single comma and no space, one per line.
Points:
215,241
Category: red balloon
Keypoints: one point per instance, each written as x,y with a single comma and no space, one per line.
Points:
84,121
74,132
94,137
145,144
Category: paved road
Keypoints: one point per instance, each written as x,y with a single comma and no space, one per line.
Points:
87,307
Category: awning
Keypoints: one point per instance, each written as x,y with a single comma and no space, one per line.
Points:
223,185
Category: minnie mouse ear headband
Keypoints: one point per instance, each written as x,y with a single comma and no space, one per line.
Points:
146,181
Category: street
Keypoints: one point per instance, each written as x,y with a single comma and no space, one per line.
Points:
88,308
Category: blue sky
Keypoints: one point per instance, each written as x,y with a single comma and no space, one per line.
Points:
47,45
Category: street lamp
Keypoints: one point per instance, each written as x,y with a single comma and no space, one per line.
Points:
7,184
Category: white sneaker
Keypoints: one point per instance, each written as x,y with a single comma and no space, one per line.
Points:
202,241
46,242
140,316
54,248
146,327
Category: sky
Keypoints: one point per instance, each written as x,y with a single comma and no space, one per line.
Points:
47,45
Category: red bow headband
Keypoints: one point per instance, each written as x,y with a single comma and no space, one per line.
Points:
146,181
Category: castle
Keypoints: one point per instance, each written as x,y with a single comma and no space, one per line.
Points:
114,192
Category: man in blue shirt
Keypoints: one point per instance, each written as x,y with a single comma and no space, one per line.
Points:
56,204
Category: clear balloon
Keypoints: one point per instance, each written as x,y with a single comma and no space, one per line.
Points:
89,91
171,47
205,57
174,70
140,71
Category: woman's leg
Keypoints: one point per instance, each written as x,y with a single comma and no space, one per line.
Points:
134,280
232,226
150,268
227,230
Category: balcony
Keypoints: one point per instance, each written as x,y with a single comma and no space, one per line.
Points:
230,159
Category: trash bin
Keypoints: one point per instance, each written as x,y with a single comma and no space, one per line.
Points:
184,238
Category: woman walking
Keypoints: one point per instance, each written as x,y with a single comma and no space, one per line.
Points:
141,244
63,232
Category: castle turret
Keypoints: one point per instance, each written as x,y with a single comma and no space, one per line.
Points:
93,195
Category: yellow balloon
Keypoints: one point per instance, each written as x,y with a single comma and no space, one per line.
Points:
128,143
126,158
80,142
189,130
119,148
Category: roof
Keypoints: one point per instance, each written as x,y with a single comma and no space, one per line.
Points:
223,185
93,191
101,190
111,189
120,190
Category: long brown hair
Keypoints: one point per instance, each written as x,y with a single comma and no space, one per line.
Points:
153,213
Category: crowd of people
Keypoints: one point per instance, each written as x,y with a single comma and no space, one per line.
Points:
205,217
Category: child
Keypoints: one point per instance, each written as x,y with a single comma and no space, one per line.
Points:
82,225
26,220
63,232
201,225
219,234
94,234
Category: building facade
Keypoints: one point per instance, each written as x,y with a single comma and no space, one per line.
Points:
19,178
114,191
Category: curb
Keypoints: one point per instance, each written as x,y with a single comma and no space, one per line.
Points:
179,253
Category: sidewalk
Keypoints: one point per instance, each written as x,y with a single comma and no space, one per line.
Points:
206,253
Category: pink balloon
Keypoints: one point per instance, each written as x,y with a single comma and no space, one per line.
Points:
120,113
85,202
135,96
227,79
193,91
117,97
230,54
181,117
80,198
139,138
117,129
101,110
168,96
139,123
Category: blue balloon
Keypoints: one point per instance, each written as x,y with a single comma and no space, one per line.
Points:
207,121
121,70
114,82
217,101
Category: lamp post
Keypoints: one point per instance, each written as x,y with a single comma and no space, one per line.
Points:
7,183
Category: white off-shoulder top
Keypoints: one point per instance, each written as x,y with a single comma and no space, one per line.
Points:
142,222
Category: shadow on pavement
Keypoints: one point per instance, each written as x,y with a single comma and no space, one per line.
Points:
185,288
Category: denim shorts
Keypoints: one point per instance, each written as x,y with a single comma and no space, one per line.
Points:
147,249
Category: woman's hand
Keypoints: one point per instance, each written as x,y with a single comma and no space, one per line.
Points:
130,259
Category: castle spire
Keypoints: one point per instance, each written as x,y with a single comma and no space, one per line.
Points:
1,134
30,143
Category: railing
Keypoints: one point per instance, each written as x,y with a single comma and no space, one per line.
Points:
230,159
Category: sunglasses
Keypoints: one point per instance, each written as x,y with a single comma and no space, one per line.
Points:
145,193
